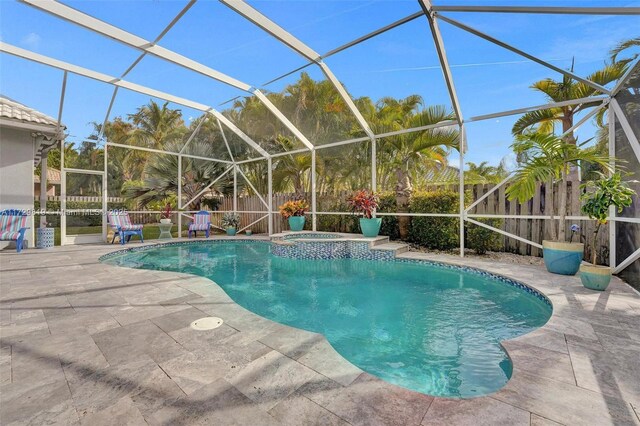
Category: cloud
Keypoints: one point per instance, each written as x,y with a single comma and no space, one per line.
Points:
31,40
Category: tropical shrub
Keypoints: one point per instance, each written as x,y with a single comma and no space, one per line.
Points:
390,226
599,196
364,202
230,220
294,208
482,239
438,233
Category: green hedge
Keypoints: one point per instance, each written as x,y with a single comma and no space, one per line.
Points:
437,233
482,239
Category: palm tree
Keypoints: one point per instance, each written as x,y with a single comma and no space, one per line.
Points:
292,170
546,158
160,180
157,126
544,121
485,173
624,46
413,152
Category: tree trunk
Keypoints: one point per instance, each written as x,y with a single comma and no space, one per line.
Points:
595,241
567,123
562,208
403,196
550,210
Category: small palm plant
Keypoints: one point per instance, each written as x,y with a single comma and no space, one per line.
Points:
230,220
546,158
601,194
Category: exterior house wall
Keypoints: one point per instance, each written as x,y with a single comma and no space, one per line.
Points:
51,190
16,173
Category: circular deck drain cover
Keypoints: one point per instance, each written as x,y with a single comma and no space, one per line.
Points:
207,323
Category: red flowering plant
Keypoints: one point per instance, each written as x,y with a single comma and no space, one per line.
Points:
166,214
364,202
294,208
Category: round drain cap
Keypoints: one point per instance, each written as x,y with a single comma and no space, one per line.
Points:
208,323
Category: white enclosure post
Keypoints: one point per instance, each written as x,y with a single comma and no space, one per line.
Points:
463,143
63,175
179,196
270,184
314,221
374,161
612,209
235,189
104,195
43,188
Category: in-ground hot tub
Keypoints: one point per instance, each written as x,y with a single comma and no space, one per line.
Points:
327,245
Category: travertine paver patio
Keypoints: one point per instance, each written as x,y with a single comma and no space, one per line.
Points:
88,343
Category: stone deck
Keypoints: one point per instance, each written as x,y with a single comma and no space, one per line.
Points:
87,343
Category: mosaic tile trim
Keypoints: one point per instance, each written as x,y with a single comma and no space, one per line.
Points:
357,250
310,235
177,243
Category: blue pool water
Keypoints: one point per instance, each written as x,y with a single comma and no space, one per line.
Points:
428,328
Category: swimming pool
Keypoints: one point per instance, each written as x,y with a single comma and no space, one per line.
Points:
432,328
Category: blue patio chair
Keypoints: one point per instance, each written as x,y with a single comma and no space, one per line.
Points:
200,222
122,227
13,225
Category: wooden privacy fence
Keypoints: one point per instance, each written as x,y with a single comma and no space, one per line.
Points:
80,198
495,204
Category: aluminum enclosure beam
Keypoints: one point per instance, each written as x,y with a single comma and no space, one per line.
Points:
258,19
444,63
261,21
93,24
288,124
45,60
542,9
522,53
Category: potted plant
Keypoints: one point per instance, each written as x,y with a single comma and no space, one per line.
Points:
294,211
230,222
599,195
248,232
546,158
165,216
365,202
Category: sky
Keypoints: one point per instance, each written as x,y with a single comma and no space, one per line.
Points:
398,63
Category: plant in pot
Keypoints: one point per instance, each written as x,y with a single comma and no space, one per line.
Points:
230,222
548,159
599,195
365,203
294,211
165,216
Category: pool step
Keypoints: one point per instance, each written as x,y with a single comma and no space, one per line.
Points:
398,248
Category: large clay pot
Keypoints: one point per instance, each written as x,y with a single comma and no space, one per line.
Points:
231,232
562,258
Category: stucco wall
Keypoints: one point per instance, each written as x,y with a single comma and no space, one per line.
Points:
16,173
